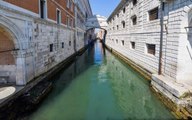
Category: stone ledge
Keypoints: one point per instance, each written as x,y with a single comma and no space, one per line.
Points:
179,93
169,87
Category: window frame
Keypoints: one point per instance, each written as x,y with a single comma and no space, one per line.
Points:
51,47
151,13
123,24
58,18
134,20
122,42
134,2
62,45
132,45
150,51
124,10
45,12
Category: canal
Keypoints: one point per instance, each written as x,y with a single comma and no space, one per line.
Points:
99,86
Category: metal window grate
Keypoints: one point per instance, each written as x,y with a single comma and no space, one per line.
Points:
153,14
151,49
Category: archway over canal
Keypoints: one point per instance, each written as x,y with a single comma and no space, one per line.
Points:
99,22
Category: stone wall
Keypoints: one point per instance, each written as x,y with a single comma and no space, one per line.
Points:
176,50
40,44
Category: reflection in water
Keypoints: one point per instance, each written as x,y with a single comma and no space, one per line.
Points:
132,92
97,86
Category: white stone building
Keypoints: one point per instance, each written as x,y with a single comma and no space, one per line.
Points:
83,11
134,31
32,42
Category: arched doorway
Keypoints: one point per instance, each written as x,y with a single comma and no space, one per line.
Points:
6,48
7,59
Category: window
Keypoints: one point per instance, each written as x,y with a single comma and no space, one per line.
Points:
42,9
118,15
123,24
117,27
117,41
71,22
124,9
132,45
113,28
122,42
71,6
134,2
151,49
68,3
69,43
51,47
62,45
68,21
58,16
134,20
153,14
86,15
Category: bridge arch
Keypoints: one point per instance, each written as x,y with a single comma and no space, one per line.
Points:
99,22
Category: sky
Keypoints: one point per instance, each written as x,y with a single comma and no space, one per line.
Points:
103,7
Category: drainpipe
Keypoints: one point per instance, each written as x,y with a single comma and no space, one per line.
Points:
75,36
161,37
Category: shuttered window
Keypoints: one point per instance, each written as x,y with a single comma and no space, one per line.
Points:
151,49
153,14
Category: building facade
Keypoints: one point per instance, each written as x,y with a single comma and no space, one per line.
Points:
100,34
134,31
83,12
36,35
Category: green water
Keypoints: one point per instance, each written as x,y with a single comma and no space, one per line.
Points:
98,86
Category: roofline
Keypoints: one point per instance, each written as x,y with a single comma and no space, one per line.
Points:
119,6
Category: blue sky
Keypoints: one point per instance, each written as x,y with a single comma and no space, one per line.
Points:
103,7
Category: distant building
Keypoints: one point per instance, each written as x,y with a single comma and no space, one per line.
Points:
83,11
134,31
100,34
36,35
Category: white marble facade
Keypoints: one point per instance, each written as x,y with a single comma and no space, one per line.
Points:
132,38
41,44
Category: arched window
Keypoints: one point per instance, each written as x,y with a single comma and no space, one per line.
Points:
124,10
123,24
134,20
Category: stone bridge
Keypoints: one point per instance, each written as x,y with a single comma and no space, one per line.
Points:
97,21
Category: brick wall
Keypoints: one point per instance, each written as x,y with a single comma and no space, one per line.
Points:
52,6
32,5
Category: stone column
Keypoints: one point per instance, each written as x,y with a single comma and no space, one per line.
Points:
20,70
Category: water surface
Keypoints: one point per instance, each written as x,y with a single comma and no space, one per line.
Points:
98,86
